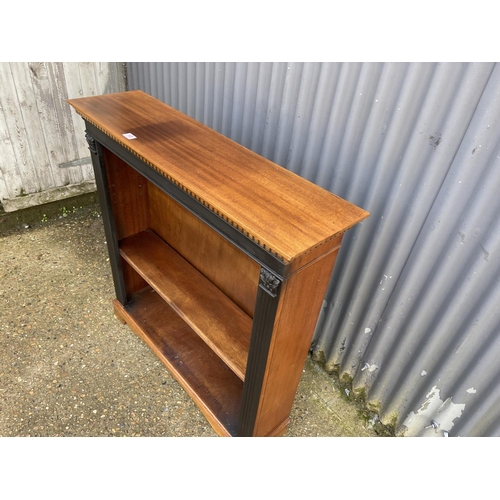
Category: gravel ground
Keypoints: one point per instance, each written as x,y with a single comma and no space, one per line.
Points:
68,367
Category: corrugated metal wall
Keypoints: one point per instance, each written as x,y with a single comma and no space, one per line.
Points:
43,153
412,315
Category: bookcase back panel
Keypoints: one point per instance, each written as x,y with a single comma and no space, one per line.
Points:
227,267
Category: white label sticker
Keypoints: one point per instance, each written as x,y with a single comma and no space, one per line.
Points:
129,136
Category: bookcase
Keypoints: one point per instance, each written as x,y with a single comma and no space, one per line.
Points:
220,258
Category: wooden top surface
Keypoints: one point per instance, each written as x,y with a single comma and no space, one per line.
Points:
283,212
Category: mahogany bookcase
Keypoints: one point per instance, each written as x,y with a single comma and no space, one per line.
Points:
220,258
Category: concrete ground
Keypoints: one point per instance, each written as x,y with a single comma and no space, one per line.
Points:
68,367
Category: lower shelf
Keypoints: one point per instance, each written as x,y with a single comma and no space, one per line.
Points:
208,311
211,384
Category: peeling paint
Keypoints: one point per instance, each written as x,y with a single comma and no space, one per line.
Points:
471,390
368,330
433,408
435,140
423,374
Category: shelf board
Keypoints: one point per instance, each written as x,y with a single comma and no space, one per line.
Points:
213,386
207,310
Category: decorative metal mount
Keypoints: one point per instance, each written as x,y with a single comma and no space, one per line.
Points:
269,282
91,142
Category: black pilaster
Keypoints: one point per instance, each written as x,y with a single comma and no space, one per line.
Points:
266,306
107,217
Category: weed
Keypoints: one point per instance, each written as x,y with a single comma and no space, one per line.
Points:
66,211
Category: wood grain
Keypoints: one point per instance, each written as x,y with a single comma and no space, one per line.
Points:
299,307
227,267
210,313
134,282
252,193
82,78
39,131
18,165
212,385
128,193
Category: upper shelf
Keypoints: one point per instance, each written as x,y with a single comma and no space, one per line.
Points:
283,212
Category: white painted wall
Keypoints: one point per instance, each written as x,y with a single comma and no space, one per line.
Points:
43,152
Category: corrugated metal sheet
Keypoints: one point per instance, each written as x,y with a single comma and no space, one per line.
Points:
42,144
411,317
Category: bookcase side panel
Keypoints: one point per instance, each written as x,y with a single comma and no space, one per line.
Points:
128,193
133,281
296,317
